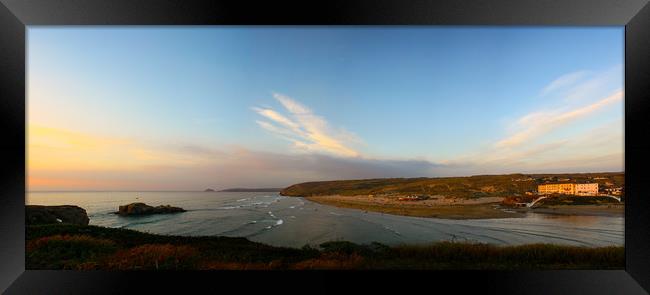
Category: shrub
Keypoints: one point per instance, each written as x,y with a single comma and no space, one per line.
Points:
154,256
224,265
66,251
331,261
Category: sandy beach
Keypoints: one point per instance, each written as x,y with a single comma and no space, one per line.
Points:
455,208
436,207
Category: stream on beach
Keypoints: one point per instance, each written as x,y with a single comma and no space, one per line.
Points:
294,222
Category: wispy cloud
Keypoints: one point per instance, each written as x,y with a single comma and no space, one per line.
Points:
597,149
139,166
576,86
564,81
537,141
539,123
305,130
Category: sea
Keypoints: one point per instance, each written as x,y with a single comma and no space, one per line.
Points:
272,219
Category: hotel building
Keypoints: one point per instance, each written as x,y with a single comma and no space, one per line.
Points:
586,189
580,189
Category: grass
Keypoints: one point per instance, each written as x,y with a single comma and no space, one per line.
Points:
91,247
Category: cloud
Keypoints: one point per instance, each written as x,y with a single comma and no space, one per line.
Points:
537,142
599,148
307,131
220,168
53,152
278,118
539,123
579,85
63,159
564,82
135,165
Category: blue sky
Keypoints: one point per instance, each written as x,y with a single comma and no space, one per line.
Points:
376,101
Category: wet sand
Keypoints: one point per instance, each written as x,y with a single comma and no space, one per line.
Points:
440,207
613,210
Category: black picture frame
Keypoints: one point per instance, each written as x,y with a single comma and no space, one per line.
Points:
15,15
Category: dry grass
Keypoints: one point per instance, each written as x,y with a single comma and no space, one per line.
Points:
154,256
329,261
66,251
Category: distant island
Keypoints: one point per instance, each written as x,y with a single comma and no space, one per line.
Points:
209,190
472,197
252,190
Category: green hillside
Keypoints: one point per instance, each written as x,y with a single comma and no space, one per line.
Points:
460,187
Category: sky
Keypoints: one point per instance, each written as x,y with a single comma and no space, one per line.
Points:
189,108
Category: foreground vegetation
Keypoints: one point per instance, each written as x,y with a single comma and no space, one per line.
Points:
84,247
455,187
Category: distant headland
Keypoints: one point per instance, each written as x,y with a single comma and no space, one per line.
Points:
239,189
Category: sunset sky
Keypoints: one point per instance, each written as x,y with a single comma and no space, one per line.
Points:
187,108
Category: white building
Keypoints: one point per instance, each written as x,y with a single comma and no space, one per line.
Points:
586,189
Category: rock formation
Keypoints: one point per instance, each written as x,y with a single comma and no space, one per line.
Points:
144,209
36,214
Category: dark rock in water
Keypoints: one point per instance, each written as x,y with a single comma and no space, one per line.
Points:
208,190
36,214
144,209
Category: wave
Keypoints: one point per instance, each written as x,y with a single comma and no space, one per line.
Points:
277,223
392,230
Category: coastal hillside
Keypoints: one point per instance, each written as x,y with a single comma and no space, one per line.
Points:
87,247
459,187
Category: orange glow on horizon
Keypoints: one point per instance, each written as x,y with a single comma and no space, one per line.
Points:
59,158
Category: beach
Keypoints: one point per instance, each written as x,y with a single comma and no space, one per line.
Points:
457,208
437,207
